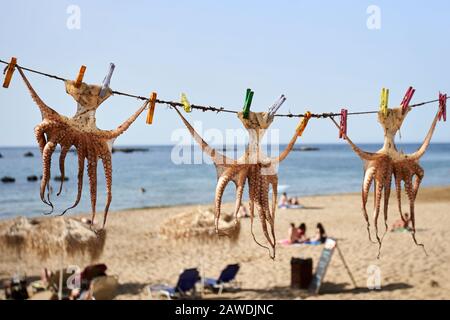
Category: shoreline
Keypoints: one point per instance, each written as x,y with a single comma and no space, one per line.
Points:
437,191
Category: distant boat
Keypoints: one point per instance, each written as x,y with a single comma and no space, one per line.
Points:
306,149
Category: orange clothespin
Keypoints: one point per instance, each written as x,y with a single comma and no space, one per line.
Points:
302,125
9,72
151,110
80,77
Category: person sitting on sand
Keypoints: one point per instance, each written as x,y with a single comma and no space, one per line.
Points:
401,225
243,213
320,236
294,201
284,201
288,203
292,234
301,233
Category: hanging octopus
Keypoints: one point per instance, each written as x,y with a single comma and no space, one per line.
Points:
81,132
254,167
379,167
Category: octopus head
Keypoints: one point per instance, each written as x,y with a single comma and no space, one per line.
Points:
87,96
392,122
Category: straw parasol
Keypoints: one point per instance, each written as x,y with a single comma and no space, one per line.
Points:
199,225
50,237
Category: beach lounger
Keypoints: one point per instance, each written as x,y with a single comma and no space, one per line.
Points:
227,277
185,285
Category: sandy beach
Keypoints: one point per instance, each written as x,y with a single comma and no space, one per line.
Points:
139,257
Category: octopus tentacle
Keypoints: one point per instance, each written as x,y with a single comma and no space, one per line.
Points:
421,151
368,156
261,206
124,126
81,157
411,197
240,184
62,157
107,166
252,183
47,161
387,194
92,174
287,150
273,181
398,189
419,176
367,183
222,183
39,132
270,214
378,194
217,157
46,111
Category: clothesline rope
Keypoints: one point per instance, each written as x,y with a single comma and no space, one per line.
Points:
222,109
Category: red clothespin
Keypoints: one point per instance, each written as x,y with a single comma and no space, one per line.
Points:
442,107
9,72
80,77
343,125
407,99
151,109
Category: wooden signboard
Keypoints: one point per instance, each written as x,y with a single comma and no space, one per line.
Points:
322,266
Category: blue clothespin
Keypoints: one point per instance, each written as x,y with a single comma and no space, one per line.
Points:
107,80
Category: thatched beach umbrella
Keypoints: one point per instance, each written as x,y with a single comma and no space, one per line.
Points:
47,238
50,237
199,225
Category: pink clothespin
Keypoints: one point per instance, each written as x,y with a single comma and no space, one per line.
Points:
407,99
442,107
343,126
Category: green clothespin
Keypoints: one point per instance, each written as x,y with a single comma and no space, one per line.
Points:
248,103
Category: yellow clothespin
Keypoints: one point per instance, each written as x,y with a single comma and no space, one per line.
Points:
151,110
185,102
80,77
9,72
384,101
302,125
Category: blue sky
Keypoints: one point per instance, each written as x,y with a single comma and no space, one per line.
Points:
320,54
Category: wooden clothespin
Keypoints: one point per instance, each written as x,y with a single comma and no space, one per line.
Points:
343,124
277,105
302,125
151,109
442,107
185,102
407,99
80,77
384,101
247,103
9,72
107,80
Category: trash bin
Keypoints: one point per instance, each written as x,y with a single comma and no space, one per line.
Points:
301,272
